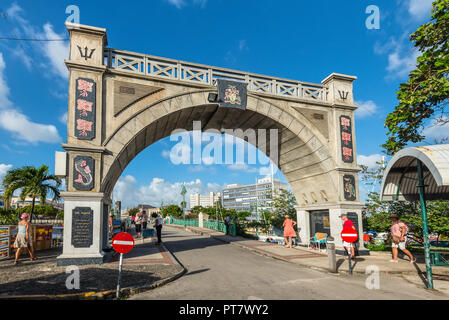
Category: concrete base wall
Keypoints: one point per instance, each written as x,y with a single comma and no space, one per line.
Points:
82,256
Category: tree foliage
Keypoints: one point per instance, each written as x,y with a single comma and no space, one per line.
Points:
376,217
33,182
172,210
133,211
283,204
41,210
425,95
8,216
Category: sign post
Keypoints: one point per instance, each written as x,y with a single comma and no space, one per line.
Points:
349,235
122,243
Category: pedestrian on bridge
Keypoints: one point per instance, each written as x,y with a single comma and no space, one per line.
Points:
349,247
144,220
227,223
289,231
158,225
23,238
138,223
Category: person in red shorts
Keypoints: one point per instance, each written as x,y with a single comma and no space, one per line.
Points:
348,224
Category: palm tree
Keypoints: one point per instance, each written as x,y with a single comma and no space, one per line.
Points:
33,182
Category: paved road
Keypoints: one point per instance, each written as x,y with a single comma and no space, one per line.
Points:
221,271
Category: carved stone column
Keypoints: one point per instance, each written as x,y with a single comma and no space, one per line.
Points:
84,203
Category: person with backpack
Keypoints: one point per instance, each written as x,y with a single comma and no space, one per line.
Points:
399,238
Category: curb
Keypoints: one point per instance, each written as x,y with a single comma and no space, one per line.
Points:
322,269
103,295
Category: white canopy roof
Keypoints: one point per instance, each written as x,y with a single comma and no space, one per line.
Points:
401,176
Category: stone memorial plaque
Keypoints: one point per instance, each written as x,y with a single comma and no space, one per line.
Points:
82,227
85,103
232,94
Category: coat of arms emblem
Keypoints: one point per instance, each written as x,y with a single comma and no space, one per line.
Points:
232,95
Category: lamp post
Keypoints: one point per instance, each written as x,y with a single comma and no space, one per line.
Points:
422,198
183,193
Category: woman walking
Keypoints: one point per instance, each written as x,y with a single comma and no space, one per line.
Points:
289,232
23,238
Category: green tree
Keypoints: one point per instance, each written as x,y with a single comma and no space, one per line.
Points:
242,215
173,210
33,182
283,204
425,95
40,210
8,216
133,211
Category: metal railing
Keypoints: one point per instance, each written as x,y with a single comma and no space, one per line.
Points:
208,224
147,65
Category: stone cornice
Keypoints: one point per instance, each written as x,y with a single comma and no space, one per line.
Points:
76,65
93,149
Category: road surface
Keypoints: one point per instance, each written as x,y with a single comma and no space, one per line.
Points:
221,271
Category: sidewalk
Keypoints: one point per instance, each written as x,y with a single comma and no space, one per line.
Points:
313,259
146,267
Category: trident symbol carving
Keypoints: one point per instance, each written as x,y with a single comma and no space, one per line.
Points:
343,94
84,54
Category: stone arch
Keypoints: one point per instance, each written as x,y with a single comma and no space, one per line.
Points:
121,102
302,153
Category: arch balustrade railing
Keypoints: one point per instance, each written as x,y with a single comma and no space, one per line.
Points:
208,224
147,65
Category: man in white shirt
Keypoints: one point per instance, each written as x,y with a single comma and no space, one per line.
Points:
158,226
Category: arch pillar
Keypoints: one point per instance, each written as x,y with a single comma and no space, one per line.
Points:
85,206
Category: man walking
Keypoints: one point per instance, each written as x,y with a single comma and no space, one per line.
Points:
158,226
348,224
227,223
399,238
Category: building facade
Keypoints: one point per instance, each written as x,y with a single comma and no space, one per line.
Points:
204,200
17,203
252,198
149,209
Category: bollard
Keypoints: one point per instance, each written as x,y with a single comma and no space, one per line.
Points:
331,255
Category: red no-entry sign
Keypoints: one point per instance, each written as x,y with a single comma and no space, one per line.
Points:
349,235
123,242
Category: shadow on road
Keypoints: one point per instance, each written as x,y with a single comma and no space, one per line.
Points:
196,272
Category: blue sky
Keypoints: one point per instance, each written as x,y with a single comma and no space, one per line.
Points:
301,40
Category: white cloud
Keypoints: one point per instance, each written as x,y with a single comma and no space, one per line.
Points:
19,124
420,9
201,3
4,89
369,161
243,46
366,108
54,51
437,131
158,190
400,65
177,3
3,170
24,129
63,118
